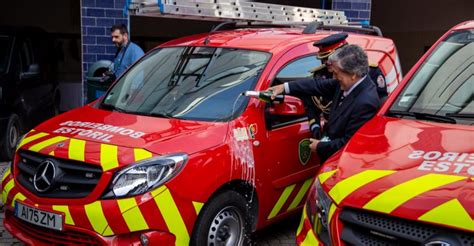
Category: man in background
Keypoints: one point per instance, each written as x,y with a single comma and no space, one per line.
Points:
127,52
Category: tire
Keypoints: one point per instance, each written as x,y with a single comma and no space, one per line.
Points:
11,136
224,220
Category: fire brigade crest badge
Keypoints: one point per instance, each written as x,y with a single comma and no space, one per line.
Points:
304,152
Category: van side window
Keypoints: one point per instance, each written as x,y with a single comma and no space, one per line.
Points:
26,55
298,69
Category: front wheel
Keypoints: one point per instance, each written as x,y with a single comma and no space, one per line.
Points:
224,221
10,138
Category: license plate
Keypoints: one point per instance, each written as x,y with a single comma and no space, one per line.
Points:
39,217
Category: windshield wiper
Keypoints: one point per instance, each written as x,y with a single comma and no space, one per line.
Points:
460,115
422,116
161,115
113,108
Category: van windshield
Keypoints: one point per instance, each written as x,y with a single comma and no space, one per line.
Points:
5,48
443,87
196,83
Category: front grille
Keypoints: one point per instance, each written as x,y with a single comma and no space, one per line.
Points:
366,228
74,179
49,236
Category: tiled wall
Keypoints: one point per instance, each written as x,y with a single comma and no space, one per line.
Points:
97,16
355,10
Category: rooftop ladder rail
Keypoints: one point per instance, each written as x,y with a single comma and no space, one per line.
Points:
237,10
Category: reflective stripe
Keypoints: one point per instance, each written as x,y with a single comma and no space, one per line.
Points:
18,196
132,214
96,217
198,206
67,214
281,201
32,138
141,154
450,213
5,175
108,156
303,218
392,198
6,190
332,209
169,211
76,149
324,176
39,146
300,195
345,187
310,239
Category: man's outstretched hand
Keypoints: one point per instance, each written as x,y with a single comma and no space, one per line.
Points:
276,90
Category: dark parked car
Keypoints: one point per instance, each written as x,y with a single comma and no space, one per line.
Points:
29,90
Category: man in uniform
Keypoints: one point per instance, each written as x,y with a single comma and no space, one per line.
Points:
317,107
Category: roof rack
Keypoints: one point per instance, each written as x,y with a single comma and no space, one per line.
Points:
353,27
237,10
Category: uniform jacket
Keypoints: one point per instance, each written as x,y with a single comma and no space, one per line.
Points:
345,119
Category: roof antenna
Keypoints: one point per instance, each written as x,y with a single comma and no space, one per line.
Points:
231,24
312,27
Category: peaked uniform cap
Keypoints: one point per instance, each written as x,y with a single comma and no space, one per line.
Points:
329,44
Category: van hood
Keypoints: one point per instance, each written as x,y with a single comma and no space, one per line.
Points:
94,130
411,169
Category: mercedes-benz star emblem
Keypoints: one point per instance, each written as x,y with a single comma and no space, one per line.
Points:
44,176
437,243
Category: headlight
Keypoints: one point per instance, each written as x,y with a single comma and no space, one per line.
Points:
318,211
145,176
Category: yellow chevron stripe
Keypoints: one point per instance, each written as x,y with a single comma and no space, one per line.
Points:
198,206
67,214
6,190
77,149
41,145
169,211
96,217
304,188
141,154
310,240
18,196
5,175
51,153
108,156
332,209
345,187
32,138
392,198
324,176
303,218
281,201
132,214
450,213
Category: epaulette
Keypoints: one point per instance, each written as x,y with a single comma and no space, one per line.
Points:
373,65
315,69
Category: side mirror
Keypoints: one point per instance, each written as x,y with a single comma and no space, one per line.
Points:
33,70
291,106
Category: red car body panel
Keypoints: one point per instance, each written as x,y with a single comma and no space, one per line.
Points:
216,159
425,168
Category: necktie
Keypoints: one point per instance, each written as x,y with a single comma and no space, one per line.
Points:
341,99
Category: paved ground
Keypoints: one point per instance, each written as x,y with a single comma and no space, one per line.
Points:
282,233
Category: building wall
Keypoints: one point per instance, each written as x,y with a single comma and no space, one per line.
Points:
355,10
97,16
415,25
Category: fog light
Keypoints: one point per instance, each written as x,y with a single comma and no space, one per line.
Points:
144,240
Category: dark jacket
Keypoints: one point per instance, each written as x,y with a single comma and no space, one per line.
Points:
344,120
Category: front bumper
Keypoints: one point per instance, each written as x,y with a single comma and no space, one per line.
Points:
118,222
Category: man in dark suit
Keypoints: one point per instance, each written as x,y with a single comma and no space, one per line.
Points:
354,97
